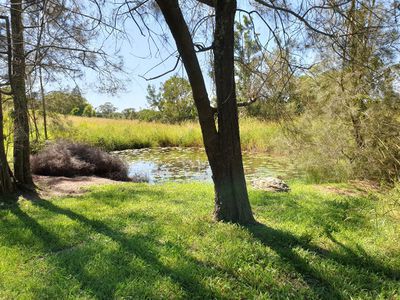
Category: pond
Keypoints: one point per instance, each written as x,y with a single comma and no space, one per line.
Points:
188,164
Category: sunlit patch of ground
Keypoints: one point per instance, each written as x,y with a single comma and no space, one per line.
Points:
50,186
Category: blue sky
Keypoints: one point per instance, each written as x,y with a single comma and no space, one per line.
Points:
138,59
140,56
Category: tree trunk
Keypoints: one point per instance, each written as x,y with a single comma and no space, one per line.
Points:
356,51
6,183
357,127
43,104
231,197
33,110
222,145
22,170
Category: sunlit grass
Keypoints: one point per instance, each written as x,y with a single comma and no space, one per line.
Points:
127,134
139,241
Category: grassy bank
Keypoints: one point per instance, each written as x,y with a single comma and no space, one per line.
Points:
138,241
128,134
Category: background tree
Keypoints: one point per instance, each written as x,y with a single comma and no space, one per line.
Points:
149,115
63,102
153,97
174,101
89,111
129,113
106,110
265,79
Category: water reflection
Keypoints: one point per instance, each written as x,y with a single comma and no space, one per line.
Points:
187,164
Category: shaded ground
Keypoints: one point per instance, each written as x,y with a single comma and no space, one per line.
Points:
64,186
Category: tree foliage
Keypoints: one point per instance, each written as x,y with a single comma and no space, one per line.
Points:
66,102
106,110
174,101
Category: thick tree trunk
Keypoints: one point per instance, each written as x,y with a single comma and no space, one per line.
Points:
22,170
222,145
6,183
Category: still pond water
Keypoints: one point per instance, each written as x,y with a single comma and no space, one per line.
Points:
188,164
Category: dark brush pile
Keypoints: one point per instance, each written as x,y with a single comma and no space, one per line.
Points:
73,159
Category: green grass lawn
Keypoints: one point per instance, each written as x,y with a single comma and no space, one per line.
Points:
138,241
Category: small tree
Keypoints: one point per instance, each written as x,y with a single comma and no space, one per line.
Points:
176,101
153,97
63,102
129,113
88,111
106,110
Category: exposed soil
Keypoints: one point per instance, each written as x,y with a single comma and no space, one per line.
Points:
65,186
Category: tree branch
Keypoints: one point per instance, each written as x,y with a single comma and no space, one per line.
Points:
244,104
291,12
210,3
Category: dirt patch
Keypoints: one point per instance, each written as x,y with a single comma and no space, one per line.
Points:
65,186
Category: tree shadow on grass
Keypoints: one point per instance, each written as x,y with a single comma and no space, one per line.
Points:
145,247
73,259
326,216
285,245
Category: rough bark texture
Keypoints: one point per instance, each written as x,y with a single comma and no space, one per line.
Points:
22,170
231,195
6,183
222,145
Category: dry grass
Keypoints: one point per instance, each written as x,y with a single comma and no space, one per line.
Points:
112,134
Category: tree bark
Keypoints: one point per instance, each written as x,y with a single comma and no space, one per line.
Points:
223,145
22,170
6,183
43,104
33,111
231,197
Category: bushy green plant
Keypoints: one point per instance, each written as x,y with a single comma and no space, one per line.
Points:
336,139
